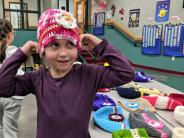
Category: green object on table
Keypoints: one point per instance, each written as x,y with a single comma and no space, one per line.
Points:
130,133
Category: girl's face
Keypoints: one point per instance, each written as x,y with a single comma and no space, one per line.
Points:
10,37
60,55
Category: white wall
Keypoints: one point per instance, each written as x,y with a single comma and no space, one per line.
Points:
62,3
147,10
1,9
71,6
54,4
46,4
41,5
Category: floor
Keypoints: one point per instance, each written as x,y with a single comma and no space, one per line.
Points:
27,120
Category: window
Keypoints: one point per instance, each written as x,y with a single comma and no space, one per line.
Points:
23,14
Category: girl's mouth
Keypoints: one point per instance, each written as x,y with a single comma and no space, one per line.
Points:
63,61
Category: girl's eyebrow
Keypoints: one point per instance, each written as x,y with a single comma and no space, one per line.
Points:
54,42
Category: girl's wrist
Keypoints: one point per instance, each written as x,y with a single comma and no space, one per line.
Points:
94,39
28,47
25,51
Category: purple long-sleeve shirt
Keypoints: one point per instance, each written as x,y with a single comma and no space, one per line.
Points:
65,104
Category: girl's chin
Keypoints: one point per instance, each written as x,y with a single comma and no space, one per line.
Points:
63,68
61,65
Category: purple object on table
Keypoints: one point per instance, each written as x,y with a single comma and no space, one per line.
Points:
102,100
142,77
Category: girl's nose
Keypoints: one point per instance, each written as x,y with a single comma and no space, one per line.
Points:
62,52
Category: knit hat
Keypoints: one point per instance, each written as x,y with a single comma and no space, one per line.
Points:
177,96
132,84
131,133
149,91
141,89
154,127
178,132
136,105
179,114
142,77
103,120
104,90
129,93
102,100
56,24
162,102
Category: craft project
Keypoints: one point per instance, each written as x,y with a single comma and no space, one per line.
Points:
154,127
136,105
179,114
130,133
177,96
178,132
162,102
102,100
103,120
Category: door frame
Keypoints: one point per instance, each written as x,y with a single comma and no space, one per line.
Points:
80,24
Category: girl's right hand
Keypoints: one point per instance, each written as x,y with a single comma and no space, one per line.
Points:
30,47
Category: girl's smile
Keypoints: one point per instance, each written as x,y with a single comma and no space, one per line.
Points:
60,55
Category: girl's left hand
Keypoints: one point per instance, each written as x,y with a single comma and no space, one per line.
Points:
89,40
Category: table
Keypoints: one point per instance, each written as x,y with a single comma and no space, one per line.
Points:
167,117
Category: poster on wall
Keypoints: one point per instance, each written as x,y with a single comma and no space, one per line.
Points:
113,8
109,15
102,4
134,18
162,11
121,12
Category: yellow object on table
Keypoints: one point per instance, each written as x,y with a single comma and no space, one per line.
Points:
106,64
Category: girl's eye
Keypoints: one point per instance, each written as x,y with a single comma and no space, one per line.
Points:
70,45
55,45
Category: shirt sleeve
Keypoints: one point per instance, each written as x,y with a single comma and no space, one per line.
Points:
118,73
12,84
9,52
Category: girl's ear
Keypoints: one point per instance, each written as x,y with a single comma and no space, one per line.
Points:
10,37
42,52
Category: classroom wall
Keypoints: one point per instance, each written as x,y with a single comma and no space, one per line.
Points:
126,47
1,9
121,42
62,3
71,6
147,12
22,36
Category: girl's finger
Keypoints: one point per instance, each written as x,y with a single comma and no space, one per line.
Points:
35,46
82,37
41,52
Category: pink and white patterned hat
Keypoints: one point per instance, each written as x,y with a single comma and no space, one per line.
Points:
56,24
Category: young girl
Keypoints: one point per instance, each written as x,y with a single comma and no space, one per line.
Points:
9,107
64,91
